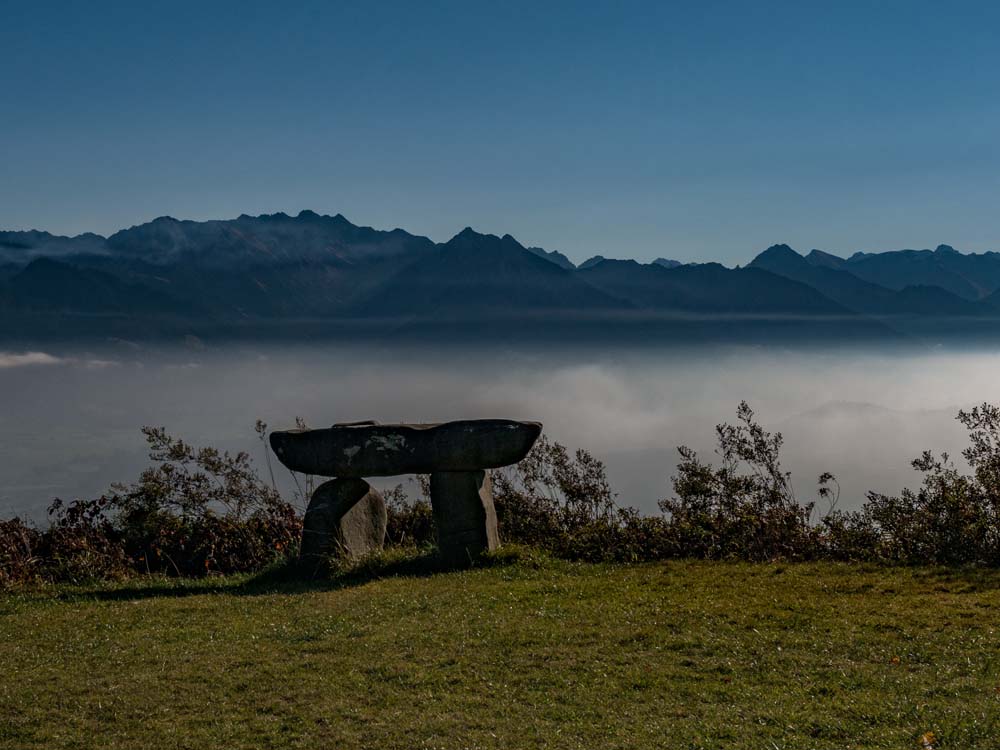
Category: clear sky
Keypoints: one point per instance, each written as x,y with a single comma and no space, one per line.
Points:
698,130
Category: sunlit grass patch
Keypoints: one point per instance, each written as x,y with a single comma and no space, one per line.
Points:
521,651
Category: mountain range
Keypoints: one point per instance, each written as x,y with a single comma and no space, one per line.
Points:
314,275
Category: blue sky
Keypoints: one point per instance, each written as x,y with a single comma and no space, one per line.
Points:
700,130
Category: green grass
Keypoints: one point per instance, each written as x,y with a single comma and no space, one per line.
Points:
528,653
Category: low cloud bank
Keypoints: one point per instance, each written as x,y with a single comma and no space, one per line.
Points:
27,359
862,415
10,360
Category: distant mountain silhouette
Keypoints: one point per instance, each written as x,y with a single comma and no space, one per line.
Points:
553,255
667,263
591,262
47,285
263,240
972,276
271,265
21,247
316,275
476,272
708,288
825,260
857,294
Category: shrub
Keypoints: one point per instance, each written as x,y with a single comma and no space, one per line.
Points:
849,537
563,502
193,512
19,561
952,518
744,508
82,542
409,522
198,511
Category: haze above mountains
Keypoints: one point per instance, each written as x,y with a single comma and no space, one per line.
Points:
311,275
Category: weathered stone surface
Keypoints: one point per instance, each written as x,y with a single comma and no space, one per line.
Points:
367,450
345,518
464,515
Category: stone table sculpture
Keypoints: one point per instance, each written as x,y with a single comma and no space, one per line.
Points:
347,515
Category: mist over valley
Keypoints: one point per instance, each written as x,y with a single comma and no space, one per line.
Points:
71,418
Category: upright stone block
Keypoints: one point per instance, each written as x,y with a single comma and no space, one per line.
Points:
345,518
464,515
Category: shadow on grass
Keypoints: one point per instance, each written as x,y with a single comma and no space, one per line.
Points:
293,577
964,579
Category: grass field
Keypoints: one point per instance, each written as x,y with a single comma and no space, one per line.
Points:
525,653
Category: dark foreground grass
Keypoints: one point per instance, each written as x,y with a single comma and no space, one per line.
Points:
531,653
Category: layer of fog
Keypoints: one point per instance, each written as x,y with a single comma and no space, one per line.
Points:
69,422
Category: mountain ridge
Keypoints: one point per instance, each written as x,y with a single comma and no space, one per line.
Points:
270,270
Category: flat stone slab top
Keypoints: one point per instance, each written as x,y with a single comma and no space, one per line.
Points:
368,449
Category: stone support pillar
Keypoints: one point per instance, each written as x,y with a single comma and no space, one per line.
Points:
464,515
346,518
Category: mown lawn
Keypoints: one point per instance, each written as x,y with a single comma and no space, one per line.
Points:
532,653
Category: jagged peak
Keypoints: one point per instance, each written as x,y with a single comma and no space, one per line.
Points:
667,263
478,240
553,256
780,253
42,234
306,214
471,234
619,262
782,249
591,262
33,233
816,253
822,259
509,239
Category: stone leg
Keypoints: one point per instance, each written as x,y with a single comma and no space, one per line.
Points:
345,518
464,515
